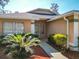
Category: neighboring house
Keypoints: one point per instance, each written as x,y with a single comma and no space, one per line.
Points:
43,22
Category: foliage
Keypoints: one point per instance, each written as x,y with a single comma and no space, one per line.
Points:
1,39
78,41
51,39
58,39
19,45
3,3
33,35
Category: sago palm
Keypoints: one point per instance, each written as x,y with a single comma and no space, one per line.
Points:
19,46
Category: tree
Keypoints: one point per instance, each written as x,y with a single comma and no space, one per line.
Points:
54,8
2,4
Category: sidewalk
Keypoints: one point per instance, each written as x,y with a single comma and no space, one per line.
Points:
53,53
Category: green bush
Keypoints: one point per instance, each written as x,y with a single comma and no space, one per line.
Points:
1,40
58,39
2,36
18,46
78,41
51,39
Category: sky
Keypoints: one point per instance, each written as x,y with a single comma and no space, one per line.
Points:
27,5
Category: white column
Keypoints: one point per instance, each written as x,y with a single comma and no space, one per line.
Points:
75,33
75,43
33,27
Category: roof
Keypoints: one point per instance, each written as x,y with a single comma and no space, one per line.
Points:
31,16
72,12
24,16
41,11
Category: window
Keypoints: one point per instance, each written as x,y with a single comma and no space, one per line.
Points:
7,27
19,28
12,27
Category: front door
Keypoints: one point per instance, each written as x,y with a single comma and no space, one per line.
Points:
40,29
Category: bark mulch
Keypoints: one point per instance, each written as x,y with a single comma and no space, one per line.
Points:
2,56
39,53
71,54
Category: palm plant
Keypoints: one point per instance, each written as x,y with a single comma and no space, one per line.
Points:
19,46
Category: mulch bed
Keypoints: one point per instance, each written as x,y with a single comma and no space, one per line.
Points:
68,53
71,54
2,56
39,53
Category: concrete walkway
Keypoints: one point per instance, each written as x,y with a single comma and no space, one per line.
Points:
53,53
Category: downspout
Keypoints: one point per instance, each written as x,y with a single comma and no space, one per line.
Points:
67,21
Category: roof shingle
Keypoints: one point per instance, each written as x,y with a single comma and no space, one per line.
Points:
41,11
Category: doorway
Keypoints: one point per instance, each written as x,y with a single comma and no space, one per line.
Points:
40,28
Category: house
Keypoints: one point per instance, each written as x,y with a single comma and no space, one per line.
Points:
43,22
67,23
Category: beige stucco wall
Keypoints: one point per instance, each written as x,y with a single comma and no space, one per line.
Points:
56,26
71,32
71,29
60,26
26,23
27,26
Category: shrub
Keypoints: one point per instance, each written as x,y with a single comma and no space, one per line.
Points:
78,41
51,39
58,39
2,36
1,40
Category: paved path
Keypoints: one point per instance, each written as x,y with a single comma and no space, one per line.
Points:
53,53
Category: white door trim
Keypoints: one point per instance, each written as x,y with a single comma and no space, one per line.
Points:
33,27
